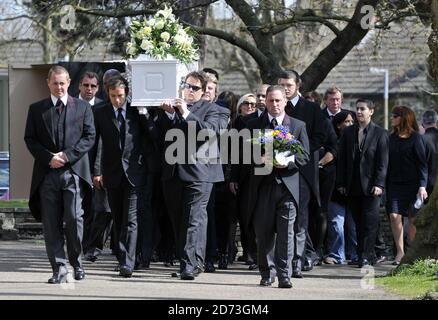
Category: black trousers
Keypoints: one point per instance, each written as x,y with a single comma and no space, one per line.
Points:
187,207
365,211
125,201
146,223
274,219
61,195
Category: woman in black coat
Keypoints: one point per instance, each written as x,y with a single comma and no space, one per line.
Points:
407,174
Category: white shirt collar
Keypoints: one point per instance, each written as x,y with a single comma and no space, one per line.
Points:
55,99
295,99
91,102
279,118
332,114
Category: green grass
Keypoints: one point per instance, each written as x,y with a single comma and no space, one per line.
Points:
412,281
15,203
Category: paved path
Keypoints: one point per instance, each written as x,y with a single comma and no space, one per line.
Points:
24,270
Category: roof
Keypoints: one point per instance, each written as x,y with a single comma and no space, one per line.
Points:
403,54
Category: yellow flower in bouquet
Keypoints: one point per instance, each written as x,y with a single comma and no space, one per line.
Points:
162,36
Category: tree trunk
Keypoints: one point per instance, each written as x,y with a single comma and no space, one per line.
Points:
426,241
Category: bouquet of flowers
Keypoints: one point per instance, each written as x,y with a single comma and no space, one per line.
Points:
284,145
160,36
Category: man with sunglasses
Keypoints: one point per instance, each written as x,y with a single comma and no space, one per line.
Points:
188,178
88,87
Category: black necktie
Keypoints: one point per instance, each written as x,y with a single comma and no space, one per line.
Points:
331,117
289,104
273,123
59,105
121,122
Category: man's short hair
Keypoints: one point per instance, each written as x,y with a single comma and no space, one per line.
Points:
89,74
276,87
332,90
118,82
291,74
430,117
368,102
211,71
57,70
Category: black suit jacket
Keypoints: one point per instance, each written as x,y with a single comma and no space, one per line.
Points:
40,140
197,164
431,138
130,161
289,176
373,161
311,114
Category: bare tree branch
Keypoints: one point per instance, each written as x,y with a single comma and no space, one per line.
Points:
25,16
132,13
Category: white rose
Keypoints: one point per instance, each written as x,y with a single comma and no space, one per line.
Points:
159,25
151,22
165,36
146,44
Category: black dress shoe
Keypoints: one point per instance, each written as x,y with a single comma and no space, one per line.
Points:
142,266
254,266
79,274
284,283
125,272
296,273
187,275
59,276
209,267
266,282
308,265
90,257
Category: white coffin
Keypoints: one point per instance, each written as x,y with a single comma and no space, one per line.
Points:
153,81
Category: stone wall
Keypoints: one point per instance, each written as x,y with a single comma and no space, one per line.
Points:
18,223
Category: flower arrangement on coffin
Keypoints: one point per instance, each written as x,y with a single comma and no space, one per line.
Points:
284,145
162,36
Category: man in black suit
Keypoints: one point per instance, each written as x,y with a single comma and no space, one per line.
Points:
429,122
122,169
276,196
361,172
333,102
188,178
309,112
101,223
59,133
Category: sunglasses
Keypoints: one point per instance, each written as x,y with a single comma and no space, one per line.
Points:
249,103
87,85
395,115
189,86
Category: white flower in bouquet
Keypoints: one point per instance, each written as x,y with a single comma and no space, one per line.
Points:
161,36
165,36
160,24
146,45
